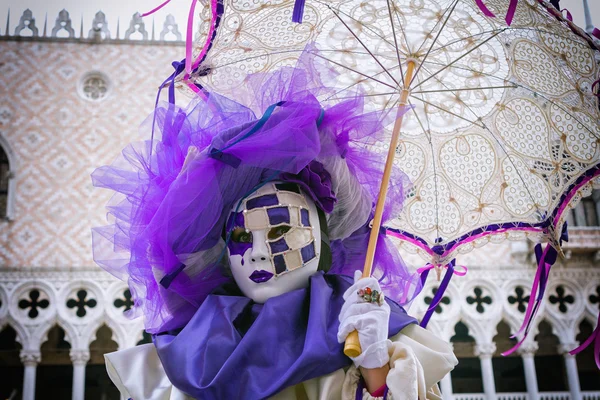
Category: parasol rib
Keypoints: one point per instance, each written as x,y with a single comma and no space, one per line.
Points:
499,144
459,58
466,89
434,40
434,167
448,112
520,86
453,6
365,47
395,40
353,70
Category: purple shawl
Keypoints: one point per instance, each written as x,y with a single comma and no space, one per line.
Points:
233,348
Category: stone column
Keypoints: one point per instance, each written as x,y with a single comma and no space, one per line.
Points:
446,384
79,358
485,352
589,25
527,351
572,373
30,359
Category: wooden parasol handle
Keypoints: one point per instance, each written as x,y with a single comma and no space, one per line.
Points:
352,345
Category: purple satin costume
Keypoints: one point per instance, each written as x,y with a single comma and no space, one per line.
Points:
233,348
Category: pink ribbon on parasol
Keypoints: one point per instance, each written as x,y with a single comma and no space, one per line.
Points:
595,338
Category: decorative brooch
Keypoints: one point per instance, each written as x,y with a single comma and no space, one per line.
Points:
371,296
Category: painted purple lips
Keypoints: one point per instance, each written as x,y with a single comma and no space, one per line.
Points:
260,276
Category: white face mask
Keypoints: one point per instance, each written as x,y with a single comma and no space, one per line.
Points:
275,241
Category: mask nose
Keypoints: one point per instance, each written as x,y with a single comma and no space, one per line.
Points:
259,247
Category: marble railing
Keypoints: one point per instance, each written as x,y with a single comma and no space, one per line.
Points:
524,396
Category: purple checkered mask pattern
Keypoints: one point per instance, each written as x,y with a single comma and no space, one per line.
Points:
274,241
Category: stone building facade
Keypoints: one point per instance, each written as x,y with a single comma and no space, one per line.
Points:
69,103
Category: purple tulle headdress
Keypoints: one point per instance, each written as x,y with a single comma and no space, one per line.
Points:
173,194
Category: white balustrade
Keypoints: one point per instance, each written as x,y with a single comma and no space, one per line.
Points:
469,396
555,396
524,396
513,396
590,395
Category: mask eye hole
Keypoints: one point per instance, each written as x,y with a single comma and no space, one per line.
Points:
278,231
240,235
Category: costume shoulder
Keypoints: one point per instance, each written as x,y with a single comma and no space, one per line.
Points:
138,374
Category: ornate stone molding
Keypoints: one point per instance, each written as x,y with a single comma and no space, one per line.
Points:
485,349
170,27
98,33
528,349
565,348
136,25
99,27
81,300
63,22
79,357
26,22
583,239
30,358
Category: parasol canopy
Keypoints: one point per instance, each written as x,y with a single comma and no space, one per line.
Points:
504,133
505,126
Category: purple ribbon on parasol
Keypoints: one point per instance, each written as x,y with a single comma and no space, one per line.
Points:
439,294
510,14
298,11
545,259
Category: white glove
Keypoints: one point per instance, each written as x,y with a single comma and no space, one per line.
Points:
371,320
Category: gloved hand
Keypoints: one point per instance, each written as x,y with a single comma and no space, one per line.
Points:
371,320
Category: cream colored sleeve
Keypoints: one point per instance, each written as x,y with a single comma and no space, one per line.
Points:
418,360
139,375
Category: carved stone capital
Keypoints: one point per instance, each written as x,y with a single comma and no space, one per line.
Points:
528,349
565,348
79,357
30,358
485,349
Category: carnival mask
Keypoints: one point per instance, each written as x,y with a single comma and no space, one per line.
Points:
274,241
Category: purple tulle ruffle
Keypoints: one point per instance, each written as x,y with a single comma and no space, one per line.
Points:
173,195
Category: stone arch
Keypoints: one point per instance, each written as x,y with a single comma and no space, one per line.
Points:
509,375
40,334
571,297
549,363
479,327
103,343
97,379
119,333
466,377
55,341
489,290
144,337
589,375
54,373
12,369
93,302
22,335
47,313
7,154
513,321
